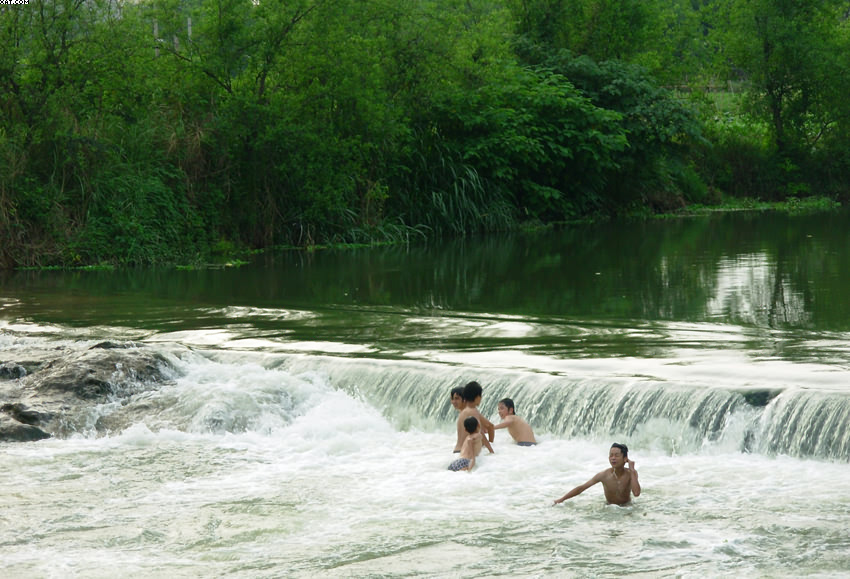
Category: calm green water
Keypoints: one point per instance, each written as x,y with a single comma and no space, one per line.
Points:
608,290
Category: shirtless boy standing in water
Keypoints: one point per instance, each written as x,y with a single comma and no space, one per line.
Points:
518,428
618,482
472,398
471,445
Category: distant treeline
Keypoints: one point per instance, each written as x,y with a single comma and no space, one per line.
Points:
163,131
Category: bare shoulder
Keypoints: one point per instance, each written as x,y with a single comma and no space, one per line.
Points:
603,474
481,418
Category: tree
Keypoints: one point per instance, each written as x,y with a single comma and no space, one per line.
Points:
532,134
657,34
793,55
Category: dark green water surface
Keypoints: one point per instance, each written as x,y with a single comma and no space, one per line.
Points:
764,283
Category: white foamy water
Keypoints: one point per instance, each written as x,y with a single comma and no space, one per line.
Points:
248,465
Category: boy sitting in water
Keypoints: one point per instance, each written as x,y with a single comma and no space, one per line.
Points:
471,445
518,428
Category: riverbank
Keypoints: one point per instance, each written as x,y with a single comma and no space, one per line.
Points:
791,205
229,255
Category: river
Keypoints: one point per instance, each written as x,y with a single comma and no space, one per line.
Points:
304,425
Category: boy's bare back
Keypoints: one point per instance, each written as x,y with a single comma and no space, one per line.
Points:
469,448
461,432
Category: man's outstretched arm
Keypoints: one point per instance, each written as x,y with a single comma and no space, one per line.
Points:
580,488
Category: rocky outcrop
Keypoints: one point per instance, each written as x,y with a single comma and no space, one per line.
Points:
42,398
10,370
13,431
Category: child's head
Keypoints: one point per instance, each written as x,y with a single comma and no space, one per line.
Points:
506,407
471,424
472,391
457,397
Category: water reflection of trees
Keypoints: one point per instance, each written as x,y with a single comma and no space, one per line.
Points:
753,289
761,270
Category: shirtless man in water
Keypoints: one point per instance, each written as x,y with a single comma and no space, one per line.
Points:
618,482
472,398
518,428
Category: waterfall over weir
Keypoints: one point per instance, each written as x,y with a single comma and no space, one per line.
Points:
642,412
220,391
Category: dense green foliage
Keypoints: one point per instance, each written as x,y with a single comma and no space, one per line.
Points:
167,130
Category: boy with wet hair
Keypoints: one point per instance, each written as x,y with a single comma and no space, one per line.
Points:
457,398
471,446
618,482
472,398
518,428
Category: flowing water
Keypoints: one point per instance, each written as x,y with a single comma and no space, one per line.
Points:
303,425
